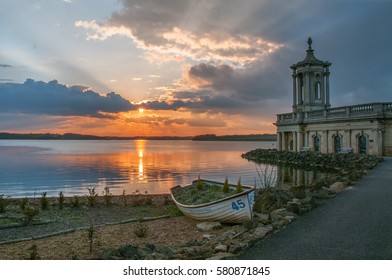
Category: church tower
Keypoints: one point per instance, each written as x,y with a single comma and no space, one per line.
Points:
310,83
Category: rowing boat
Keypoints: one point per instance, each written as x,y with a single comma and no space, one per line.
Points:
232,208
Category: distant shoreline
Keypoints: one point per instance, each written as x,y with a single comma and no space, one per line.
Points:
73,136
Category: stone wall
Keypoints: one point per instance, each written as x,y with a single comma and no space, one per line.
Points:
378,134
388,138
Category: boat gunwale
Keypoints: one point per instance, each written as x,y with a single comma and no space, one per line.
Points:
245,192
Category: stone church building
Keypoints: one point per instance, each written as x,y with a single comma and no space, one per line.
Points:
316,126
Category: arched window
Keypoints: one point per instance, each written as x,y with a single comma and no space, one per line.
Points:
337,140
362,144
301,88
316,143
317,91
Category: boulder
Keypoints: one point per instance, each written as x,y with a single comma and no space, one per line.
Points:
209,237
294,207
338,187
227,235
298,191
261,231
235,249
220,248
208,226
277,214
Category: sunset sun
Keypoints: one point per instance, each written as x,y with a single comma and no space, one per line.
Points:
141,110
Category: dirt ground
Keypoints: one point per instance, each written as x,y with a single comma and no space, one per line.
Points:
171,231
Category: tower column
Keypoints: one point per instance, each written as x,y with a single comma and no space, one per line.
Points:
295,145
279,144
328,104
283,141
295,94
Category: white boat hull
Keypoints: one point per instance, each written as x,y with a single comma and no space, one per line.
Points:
233,209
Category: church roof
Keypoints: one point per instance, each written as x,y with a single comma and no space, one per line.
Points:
310,59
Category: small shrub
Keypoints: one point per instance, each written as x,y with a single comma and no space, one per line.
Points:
92,196
124,198
199,183
4,202
76,201
61,200
34,253
226,187
90,235
23,203
44,202
107,196
140,230
29,214
239,188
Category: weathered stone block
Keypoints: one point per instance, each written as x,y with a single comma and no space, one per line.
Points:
261,231
338,187
208,226
220,248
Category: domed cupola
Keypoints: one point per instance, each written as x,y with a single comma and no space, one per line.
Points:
310,83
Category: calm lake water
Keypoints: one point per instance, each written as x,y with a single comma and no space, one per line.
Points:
31,167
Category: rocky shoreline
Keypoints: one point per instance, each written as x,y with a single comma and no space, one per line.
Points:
274,208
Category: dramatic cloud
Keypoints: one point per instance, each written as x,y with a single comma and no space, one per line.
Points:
52,98
178,29
218,66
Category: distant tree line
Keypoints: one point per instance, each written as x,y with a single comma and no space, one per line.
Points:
73,136
251,137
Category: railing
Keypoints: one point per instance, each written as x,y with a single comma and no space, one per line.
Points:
354,112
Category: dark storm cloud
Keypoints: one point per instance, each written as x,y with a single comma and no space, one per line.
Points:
52,98
148,19
353,35
249,84
5,66
165,105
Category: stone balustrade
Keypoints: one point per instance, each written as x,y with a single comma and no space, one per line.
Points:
361,111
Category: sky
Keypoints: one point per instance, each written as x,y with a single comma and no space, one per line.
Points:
181,67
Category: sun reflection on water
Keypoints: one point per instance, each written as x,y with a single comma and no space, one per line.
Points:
140,146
